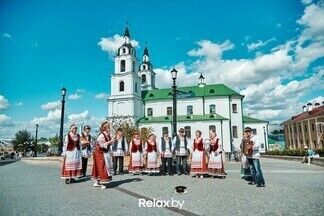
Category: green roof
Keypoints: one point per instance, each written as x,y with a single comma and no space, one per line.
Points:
182,118
247,119
191,91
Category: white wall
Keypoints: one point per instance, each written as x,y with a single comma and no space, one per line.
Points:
236,120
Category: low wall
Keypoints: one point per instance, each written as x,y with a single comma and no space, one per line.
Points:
316,161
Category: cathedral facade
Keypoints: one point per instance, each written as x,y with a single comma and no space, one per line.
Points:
134,97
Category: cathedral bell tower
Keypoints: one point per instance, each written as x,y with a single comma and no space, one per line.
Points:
125,100
146,72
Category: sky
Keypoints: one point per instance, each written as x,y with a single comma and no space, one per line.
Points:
271,51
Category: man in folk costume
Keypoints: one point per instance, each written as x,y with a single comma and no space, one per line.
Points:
136,160
151,151
253,159
215,163
72,166
198,159
102,163
180,146
166,150
246,150
119,148
86,142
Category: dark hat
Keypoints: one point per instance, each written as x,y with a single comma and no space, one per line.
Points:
86,127
165,132
247,129
181,130
180,189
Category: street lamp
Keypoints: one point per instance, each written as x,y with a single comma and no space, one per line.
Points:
35,150
63,92
265,139
174,94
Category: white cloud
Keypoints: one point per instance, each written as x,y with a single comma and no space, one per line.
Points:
51,105
18,103
6,35
313,22
306,2
53,117
111,44
272,100
4,104
4,118
101,96
79,117
259,44
211,50
319,99
80,91
274,82
74,96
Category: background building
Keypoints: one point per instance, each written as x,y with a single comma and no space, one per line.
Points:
306,128
134,97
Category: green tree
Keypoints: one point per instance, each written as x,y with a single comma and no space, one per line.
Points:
22,141
129,128
54,141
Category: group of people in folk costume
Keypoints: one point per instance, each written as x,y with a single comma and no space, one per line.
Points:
108,154
251,167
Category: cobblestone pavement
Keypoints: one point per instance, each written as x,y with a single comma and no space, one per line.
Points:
34,188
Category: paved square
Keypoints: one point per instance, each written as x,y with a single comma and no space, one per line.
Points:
35,188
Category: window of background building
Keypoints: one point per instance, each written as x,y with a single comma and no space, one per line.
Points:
143,78
212,109
234,129
254,131
122,65
189,110
212,128
169,111
121,86
149,112
188,131
234,108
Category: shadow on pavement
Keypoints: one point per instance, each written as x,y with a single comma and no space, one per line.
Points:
125,181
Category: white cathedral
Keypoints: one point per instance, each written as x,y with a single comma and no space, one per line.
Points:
201,107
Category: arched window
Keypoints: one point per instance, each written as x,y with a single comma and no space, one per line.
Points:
189,110
134,65
144,67
135,86
122,65
121,86
149,112
212,109
124,50
143,78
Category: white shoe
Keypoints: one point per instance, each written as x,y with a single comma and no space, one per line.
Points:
103,187
201,176
96,184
